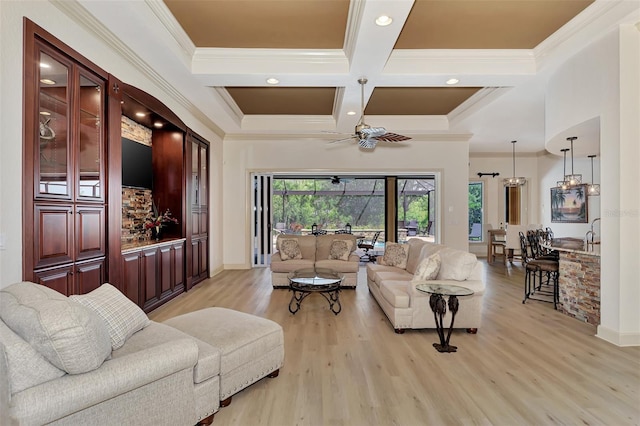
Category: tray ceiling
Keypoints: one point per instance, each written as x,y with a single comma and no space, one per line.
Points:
322,24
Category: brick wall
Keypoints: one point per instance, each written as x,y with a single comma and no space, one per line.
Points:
580,286
136,202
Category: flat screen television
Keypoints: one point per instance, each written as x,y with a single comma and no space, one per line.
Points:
137,167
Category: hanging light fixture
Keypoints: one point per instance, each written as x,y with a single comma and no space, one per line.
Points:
573,179
563,185
593,188
514,181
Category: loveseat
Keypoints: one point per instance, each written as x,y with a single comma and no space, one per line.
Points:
332,251
393,278
98,359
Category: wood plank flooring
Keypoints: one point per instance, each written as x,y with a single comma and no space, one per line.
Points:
528,364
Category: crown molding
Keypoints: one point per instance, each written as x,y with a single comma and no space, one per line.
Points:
356,11
78,14
264,137
232,107
461,61
170,23
536,154
583,28
475,103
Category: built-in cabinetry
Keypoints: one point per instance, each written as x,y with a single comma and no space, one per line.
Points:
153,274
64,165
198,231
72,202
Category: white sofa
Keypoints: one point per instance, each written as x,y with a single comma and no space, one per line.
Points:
63,362
408,308
315,252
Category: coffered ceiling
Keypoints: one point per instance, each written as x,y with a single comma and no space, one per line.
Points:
217,55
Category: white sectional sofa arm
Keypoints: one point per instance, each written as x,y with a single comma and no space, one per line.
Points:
72,393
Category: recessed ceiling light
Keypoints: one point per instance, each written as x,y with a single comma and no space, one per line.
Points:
45,113
157,125
47,81
44,65
453,81
273,80
383,20
351,113
140,114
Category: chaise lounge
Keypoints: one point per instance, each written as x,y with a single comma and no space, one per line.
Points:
97,359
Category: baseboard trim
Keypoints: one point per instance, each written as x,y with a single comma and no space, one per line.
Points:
617,338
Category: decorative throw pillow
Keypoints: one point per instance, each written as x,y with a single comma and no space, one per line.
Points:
396,254
70,336
289,249
456,264
340,249
27,367
122,316
427,269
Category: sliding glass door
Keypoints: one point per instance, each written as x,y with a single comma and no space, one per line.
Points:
400,207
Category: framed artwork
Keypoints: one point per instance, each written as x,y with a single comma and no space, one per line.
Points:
569,206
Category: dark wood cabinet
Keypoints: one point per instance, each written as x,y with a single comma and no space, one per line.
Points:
76,278
64,238
72,197
154,274
197,158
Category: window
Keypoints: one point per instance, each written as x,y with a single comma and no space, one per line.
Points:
476,204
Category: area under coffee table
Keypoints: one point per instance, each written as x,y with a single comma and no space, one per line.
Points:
327,282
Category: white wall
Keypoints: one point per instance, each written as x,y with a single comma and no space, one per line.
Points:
494,206
602,81
89,45
241,157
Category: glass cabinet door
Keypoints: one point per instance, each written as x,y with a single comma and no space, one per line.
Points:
203,176
90,138
53,155
195,167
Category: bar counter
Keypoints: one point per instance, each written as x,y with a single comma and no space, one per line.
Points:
579,281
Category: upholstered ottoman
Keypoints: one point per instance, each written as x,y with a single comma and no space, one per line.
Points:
250,347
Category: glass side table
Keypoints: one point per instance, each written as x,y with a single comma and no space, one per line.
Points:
439,308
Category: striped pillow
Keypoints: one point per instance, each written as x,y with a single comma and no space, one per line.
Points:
122,316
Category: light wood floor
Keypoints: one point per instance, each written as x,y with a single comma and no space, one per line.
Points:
528,364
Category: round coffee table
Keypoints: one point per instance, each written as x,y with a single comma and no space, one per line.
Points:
327,282
439,308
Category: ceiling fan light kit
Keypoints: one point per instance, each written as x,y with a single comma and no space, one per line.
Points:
367,136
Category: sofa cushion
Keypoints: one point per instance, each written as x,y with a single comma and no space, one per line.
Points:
338,265
340,250
395,292
415,254
69,335
324,243
122,316
427,269
156,333
456,264
289,249
306,243
27,367
393,275
396,254
291,265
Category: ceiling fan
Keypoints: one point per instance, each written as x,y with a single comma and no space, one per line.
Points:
367,136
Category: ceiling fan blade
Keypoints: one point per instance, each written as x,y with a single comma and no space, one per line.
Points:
372,132
368,143
392,137
343,139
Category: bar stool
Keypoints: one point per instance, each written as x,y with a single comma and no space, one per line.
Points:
534,269
497,248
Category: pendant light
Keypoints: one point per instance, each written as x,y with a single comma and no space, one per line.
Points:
563,185
593,188
573,179
514,181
